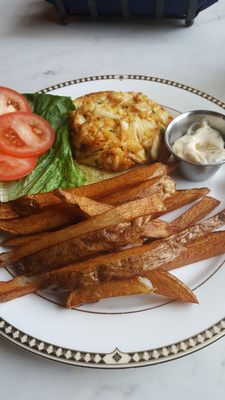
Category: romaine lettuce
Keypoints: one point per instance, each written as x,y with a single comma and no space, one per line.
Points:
56,168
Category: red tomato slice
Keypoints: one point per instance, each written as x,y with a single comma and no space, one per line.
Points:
12,168
11,101
25,134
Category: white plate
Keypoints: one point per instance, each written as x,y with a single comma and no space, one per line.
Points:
138,330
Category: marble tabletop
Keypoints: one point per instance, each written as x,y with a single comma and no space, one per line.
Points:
37,52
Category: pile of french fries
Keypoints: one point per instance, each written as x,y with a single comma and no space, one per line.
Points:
107,239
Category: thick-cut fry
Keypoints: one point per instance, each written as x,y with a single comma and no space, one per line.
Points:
181,198
123,287
54,218
136,261
93,243
105,268
86,206
196,212
33,203
157,281
207,246
70,277
7,211
126,212
30,203
17,241
101,268
109,239
89,206
156,230
169,285
41,222
164,185
18,287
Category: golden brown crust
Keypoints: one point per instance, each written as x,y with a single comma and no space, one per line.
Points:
160,282
207,246
84,246
110,239
123,287
140,260
124,213
116,130
41,222
181,198
7,211
168,285
32,203
196,212
164,185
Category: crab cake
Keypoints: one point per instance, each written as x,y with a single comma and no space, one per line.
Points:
114,131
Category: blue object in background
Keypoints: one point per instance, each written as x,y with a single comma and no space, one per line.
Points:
184,9
108,7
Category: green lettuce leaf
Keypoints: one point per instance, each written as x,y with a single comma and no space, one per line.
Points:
56,168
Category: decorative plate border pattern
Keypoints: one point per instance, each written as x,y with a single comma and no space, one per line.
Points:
117,358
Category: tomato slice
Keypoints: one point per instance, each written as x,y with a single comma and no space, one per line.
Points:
12,168
25,134
11,101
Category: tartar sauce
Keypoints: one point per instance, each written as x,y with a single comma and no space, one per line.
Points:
201,144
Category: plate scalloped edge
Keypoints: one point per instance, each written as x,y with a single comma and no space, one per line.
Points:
117,358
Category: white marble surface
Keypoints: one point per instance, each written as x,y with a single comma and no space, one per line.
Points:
37,52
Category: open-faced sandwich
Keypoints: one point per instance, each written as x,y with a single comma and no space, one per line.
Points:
95,136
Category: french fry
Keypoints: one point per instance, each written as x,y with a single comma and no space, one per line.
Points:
50,219
41,222
124,213
181,198
157,281
136,261
163,185
157,229
89,206
92,243
128,262
123,287
59,259
86,206
17,241
113,266
170,286
69,277
202,248
18,287
196,212
102,268
109,239
7,211
33,203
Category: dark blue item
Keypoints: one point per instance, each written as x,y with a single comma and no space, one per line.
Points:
184,9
